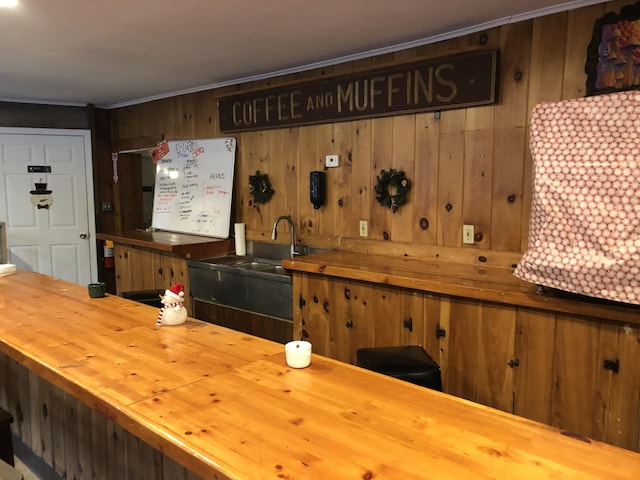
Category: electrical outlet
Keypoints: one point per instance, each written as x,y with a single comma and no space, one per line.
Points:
331,161
364,229
467,234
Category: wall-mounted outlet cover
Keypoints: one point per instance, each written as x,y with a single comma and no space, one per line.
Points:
331,161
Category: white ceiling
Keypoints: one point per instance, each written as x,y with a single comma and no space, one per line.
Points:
117,52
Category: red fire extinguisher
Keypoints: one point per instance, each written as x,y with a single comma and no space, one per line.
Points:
108,254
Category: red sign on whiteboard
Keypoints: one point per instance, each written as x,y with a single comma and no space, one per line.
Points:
160,151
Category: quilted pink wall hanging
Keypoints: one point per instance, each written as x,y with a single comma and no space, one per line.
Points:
584,233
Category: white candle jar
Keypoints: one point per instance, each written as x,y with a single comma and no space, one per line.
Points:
298,354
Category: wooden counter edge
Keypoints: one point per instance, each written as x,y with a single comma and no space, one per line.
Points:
515,294
122,415
185,246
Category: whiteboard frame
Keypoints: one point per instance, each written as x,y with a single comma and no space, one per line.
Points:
194,187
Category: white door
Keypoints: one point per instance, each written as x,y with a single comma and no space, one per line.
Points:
50,227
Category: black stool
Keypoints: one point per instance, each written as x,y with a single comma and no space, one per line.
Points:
6,443
409,363
148,297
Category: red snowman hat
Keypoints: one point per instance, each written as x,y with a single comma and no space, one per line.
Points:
176,292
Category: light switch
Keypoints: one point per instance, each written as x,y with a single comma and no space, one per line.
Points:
467,234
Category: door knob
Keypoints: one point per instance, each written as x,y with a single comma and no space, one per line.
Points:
83,235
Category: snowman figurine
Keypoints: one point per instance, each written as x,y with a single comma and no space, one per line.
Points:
173,311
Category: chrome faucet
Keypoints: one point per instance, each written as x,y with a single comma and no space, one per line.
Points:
292,227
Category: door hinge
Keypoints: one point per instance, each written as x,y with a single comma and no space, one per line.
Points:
301,302
440,332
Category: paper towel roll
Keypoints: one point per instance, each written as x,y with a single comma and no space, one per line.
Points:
241,244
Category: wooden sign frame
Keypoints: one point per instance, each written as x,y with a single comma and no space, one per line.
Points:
453,81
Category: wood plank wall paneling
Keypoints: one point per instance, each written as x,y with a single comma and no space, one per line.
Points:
32,115
467,166
74,440
403,142
381,159
510,140
307,215
425,190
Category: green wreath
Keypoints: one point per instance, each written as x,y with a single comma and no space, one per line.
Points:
260,187
392,188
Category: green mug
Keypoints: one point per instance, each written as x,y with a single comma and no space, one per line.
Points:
97,290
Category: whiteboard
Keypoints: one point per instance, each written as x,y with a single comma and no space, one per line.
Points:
194,183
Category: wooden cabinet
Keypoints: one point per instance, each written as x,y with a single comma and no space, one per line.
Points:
555,368
271,328
136,268
398,316
476,346
332,315
140,268
340,316
596,380
155,260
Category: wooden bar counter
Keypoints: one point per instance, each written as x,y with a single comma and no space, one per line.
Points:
479,282
225,405
185,246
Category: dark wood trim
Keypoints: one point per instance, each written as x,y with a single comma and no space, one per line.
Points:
136,143
33,115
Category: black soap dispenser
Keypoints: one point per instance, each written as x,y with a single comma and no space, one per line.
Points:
317,188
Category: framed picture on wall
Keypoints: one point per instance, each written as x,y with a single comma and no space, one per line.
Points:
613,56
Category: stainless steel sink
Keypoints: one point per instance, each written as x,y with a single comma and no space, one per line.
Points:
255,264
255,283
